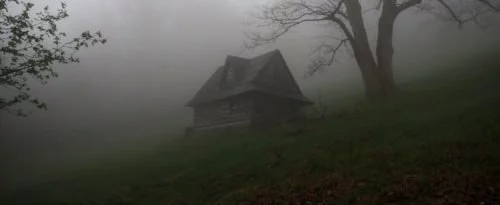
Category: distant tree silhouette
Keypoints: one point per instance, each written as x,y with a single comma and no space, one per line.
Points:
30,44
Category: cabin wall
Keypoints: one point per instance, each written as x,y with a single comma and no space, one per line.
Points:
270,110
230,112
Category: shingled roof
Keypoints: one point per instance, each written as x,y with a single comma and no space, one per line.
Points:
266,73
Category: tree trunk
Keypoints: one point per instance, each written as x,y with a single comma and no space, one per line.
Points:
385,49
372,85
362,52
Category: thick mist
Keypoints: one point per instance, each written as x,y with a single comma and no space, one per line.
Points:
129,94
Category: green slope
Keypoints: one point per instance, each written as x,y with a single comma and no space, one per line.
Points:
437,142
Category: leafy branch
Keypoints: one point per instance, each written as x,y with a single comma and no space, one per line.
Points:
30,45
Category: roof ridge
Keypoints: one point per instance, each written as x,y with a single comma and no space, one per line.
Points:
232,56
265,54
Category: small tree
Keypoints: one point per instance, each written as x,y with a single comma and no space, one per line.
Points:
348,16
30,45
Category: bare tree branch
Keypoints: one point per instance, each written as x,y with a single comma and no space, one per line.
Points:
376,7
471,11
260,40
320,61
452,13
287,14
490,5
406,5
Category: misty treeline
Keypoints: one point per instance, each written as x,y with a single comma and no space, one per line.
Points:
30,44
350,17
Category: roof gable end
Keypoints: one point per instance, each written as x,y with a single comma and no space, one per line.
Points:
240,75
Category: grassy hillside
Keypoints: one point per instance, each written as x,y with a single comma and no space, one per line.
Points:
434,143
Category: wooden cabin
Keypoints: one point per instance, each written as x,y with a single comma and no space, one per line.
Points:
256,92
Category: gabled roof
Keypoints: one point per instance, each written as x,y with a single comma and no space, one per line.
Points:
266,73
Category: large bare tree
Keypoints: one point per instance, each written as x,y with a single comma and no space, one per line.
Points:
349,17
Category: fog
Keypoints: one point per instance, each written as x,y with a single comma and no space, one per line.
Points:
132,90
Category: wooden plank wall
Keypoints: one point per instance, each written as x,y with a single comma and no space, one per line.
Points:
270,109
238,109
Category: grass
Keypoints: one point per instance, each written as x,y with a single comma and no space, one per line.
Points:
434,143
